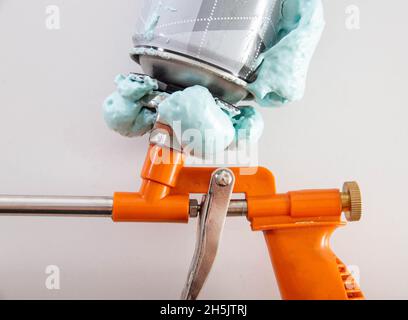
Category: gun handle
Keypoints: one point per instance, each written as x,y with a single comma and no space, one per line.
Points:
305,266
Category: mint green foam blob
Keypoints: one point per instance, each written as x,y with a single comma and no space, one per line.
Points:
123,112
203,126
282,72
196,117
134,87
248,125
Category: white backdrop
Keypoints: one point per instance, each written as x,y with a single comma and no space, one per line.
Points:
351,125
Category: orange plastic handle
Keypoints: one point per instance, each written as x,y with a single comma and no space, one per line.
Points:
297,228
305,266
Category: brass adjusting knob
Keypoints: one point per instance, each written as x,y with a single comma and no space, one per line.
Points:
351,201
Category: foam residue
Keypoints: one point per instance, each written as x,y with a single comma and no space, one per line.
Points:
281,77
201,124
123,111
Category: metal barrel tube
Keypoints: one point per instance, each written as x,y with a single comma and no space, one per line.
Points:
98,207
237,208
56,206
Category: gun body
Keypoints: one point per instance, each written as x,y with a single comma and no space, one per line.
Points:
297,225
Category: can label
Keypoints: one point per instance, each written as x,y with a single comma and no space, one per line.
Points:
230,34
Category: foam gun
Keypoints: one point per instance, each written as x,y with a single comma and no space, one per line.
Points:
186,45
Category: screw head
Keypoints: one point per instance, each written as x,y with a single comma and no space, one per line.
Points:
223,178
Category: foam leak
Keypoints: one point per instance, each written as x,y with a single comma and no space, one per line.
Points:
281,77
193,113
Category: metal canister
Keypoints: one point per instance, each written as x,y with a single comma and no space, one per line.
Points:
214,43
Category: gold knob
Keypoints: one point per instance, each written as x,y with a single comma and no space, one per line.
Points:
351,201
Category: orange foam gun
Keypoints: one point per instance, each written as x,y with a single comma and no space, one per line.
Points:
204,45
297,225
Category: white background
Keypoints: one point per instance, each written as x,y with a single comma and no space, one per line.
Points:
351,125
